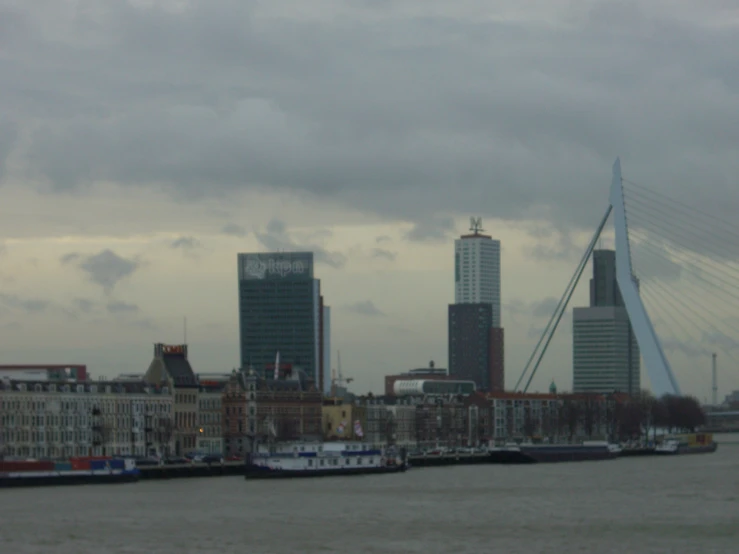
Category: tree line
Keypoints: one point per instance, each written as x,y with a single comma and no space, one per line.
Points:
638,416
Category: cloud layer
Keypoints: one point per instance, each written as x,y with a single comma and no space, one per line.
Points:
406,108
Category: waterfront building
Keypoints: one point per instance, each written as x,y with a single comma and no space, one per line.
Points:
210,438
233,406
427,373
605,353
338,417
72,373
281,310
255,408
58,420
424,387
387,419
171,365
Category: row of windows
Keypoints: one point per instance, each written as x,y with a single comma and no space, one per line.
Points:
83,405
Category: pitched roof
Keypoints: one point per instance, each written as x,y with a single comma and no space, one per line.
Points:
180,370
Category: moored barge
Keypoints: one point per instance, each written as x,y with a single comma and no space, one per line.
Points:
76,471
323,459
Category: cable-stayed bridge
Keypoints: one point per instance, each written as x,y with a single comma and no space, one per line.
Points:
677,270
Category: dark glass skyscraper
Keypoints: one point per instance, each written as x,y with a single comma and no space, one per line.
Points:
280,310
604,289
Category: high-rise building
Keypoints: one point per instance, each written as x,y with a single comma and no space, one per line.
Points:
477,270
475,346
604,289
326,365
605,353
280,309
476,350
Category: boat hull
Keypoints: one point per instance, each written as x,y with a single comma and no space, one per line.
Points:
704,449
67,479
636,452
567,453
260,472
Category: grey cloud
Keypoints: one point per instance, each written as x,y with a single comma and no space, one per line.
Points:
28,305
366,307
234,230
382,253
545,307
69,258
653,262
186,243
527,109
106,268
84,305
687,348
277,238
8,140
383,238
121,308
431,229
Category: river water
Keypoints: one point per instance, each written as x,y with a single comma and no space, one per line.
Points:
671,504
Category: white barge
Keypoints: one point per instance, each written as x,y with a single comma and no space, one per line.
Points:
322,459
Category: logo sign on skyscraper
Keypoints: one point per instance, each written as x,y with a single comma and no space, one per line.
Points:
296,265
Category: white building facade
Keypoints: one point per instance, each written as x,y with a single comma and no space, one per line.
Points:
61,420
477,272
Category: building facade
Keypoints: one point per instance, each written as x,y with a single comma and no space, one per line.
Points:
44,372
210,438
605,353
280,311
58,420
477,271
430,373
171,365
324,383
476,338
475,346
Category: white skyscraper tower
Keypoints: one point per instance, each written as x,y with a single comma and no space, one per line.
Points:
477,269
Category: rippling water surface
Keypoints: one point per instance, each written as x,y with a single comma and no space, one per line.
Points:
673,504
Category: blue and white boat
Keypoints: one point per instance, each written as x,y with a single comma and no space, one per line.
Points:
80,471
320,459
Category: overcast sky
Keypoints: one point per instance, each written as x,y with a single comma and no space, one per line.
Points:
144,143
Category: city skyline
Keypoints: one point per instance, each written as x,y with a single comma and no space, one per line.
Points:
126,194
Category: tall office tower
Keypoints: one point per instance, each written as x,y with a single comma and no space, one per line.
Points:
477,269
476,349
326,355
605,354
280,309
604,289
